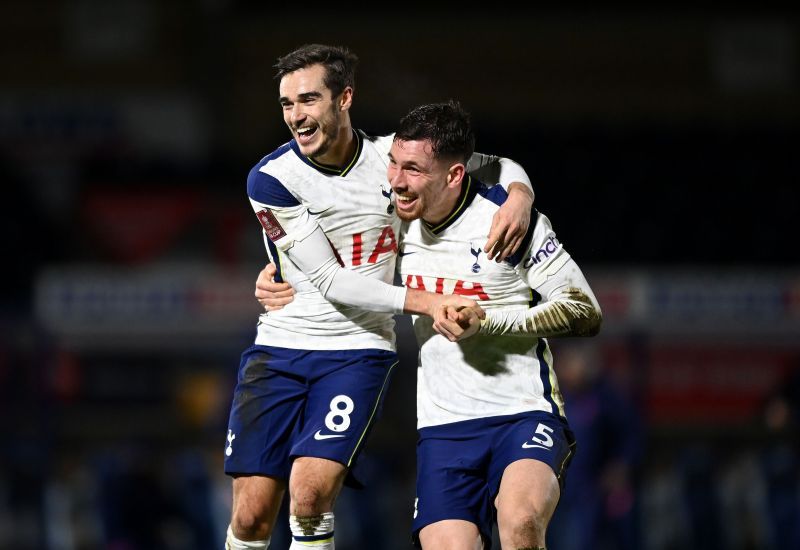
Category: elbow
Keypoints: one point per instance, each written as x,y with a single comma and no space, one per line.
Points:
586,317
323,279
589,324
594,327
331,292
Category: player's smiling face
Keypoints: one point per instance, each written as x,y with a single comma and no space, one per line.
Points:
312,114
424,186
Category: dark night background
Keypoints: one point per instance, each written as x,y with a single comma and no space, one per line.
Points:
662,142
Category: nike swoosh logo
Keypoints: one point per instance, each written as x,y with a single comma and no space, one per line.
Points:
320,436
320,212
527,445
402,253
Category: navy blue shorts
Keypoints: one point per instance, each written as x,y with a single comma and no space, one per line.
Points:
291,402
460,465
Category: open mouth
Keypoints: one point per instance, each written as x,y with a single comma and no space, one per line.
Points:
306,134
405,202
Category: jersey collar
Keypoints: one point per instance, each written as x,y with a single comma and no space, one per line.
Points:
332,170
468,191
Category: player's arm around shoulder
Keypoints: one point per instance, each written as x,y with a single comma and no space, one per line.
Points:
511,221
290,226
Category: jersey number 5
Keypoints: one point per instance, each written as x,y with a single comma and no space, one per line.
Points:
541,439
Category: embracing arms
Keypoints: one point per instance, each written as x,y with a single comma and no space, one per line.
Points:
290,227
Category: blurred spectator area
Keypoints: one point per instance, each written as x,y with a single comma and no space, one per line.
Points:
669,131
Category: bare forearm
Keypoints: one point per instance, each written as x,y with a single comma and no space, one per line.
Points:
419,302
524,191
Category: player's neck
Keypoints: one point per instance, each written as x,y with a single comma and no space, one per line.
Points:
341,150
434,215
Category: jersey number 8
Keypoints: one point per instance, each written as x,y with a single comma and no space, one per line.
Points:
338,420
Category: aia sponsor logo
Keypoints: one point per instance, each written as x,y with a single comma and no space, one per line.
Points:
550,246
440,285
386,243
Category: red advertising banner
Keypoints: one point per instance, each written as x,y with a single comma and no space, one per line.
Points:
705,385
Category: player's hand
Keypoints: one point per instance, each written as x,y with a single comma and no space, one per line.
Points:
510,223
447,315
272,295
464,322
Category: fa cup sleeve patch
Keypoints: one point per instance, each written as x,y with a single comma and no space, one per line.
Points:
271,226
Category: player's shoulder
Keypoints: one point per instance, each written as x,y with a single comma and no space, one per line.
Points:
274,160
541,222
381,142
376,137
265,181
544,248
494,195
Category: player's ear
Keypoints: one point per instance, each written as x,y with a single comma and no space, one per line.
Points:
346,99
455,174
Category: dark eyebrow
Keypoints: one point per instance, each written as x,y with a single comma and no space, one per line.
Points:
406,164
301,98
309,95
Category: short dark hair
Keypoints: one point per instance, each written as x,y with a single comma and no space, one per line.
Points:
339,62
446,125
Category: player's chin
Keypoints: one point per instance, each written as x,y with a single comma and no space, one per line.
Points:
408,212
310,150
314,146
406,216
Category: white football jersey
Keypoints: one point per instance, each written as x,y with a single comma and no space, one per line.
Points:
482,375
291,194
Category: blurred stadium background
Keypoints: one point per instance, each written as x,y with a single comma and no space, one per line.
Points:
662,142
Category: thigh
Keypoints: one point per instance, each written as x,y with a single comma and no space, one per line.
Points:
344,401
528,485
451,482
266,411
538,436
528,495
450,534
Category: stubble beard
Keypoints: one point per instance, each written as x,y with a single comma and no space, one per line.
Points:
330,132
415,214
405,216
